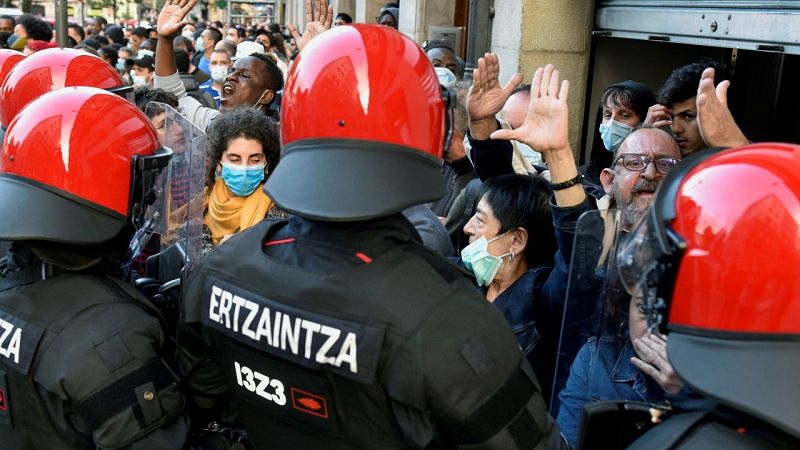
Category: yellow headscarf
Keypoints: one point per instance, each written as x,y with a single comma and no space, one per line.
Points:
228,213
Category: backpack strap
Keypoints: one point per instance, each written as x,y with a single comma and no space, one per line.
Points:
471,193
471,201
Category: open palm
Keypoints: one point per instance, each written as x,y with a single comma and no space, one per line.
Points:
173,17
546,125
316,23
486,97
714,119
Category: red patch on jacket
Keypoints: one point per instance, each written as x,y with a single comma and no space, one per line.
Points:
3,402
309,403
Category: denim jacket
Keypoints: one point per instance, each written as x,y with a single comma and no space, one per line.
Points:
534,304
602,371
518,308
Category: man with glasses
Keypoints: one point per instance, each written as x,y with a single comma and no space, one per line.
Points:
640,164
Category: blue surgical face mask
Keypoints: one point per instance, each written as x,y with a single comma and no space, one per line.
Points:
480,262
16,43
613,133
242,180
120,65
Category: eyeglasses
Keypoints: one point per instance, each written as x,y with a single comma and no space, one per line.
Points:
639,163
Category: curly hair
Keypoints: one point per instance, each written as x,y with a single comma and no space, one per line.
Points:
242,123
37,29
682,83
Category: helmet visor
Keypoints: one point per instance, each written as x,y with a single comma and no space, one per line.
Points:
125,92
639,255
149,190
148,204
647,261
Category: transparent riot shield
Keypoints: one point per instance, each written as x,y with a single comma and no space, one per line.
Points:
176,249
590,271
187,180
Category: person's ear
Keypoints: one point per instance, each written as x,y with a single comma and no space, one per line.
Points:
519,241
607,180
267,97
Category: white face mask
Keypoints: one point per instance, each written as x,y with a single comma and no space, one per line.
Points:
138,80
187,33
219,73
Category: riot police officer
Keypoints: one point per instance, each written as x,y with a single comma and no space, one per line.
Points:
80,351
337,328
8,59
56,68
730,306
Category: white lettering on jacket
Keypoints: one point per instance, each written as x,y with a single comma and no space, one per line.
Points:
10,340
279,330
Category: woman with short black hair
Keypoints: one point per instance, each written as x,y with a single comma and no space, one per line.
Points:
511,253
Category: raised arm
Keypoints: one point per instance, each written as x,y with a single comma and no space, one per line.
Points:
716,123
170,22
546,129
486,97
316,23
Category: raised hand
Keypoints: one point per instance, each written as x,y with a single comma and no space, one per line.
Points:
545,129
546,126
654,362
173,17
316,23
716,123
486,97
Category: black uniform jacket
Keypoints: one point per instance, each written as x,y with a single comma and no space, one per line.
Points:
353,335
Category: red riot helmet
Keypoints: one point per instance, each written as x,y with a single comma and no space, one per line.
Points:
717,258
364,125
8,59
77,166
52,69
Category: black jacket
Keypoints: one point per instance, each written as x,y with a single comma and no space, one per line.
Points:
82,368
353,335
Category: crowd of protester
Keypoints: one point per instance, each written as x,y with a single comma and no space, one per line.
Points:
502,219
208,48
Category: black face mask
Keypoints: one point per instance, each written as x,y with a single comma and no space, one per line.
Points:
4,35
